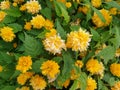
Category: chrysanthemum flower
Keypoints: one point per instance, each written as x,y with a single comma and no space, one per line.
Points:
66,83
96,3
7,34
22,78
1,68
83,9
48,24
68,4
74,75
91,84
2,15
24,63
28,26
38,21
117,54
78,40
63,1
18,1
116,86
37,82
98,22
33,6
79,63
23,88
115,69
5,5
53,43
50,68
94,67
23,7
113,11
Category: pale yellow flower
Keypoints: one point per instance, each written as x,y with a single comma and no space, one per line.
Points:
33,6
24,63
68,4
98,22
38,21
115,69
50,68
7,34
78,40
5,5
2,15
38,83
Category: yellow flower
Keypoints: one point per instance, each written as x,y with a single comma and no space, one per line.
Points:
2,15
28,26
117,54
37,82
7,34
18,1
50,68
24,63
51,33
79,63
115,69
14,4
96,3
23,88
66,83
14,45
1,68
116,86
63,1
98,22
33,6
93,66
113,11
91,84
54,43
78,40
48,24
78,1
74,75
38,21
83,9
5,5
23,7
68,4
22,78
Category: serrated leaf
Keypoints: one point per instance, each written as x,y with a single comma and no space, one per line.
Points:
47,12
60,30
8,19
13,11
100,84
16,27
107,53
32,46
83,81
9,88
95,35
99,14
61,11
68,62
113,4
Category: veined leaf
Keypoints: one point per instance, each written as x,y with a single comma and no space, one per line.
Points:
16,27
32,46
61,11
107,53
99,14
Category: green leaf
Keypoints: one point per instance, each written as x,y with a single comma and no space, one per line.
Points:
36,65
32,46
107,53
16,73
42,34
9,88
47,12
100,84
99,14
105,36
113,4
16,27
60,30
75,27
13,11
75,85
95,35
8,19
83,81
68,62
61,11
57,59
